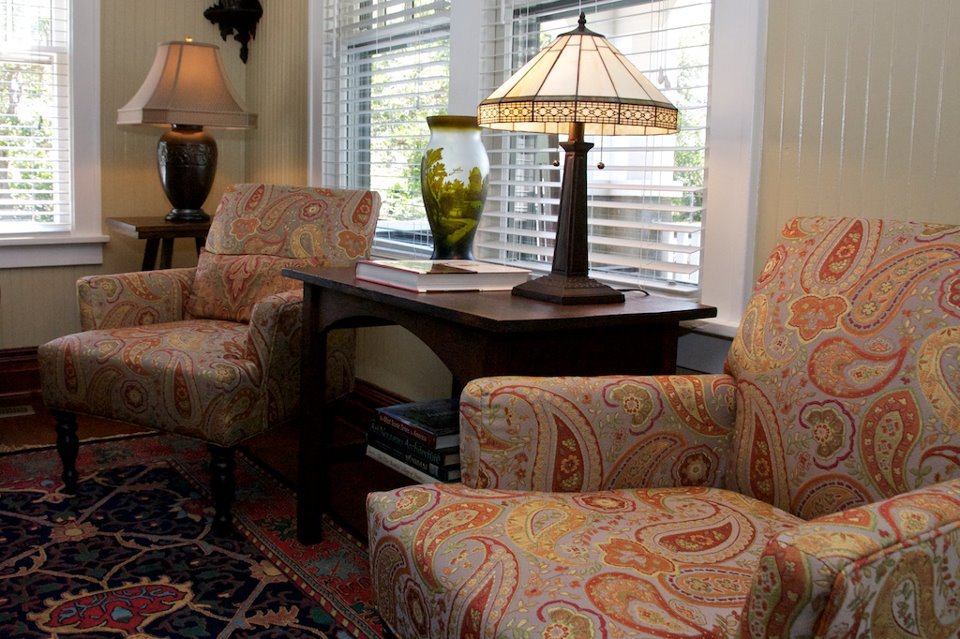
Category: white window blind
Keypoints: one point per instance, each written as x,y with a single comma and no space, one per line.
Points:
385,70
646,206
35,184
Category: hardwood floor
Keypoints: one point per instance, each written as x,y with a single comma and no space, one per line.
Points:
26,423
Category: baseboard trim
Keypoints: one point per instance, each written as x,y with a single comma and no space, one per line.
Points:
19,372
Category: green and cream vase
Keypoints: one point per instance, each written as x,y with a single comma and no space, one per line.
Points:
454,174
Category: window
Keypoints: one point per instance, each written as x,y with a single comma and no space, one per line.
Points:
34,116
653,204
386,71
49,133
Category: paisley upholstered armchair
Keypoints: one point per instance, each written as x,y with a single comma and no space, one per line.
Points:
210,352
812,490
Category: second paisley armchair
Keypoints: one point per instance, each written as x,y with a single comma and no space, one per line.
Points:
210,352
813,491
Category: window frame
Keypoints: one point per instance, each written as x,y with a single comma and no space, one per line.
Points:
392,43
83,243
733,152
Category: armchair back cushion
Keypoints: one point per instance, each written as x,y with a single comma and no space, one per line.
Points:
847,365
260,229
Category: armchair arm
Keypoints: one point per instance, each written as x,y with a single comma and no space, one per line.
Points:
133,299
885,569
274,343
579,434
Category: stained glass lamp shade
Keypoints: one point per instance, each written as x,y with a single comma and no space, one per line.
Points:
580,84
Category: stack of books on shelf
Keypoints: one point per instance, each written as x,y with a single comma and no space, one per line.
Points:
420,440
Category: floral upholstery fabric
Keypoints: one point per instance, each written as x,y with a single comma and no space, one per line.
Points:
451,561
596,433
132,299
847,364
214,391
774,501
146,357
887,569
260,229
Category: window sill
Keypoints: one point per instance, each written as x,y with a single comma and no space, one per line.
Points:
57,250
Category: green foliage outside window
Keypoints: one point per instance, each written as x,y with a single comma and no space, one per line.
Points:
691,139
26,175
404,90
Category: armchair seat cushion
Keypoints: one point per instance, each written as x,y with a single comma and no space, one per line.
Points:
454,561
194,376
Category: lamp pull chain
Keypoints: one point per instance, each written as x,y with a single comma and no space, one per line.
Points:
600,164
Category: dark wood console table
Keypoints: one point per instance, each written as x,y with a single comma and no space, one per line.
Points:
474,335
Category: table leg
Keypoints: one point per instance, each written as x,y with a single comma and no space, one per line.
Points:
313,475
166,253
150,254
200,241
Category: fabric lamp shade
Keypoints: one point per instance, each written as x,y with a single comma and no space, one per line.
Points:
579,84
580,77
187,85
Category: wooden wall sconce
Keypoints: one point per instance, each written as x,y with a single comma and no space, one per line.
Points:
236,15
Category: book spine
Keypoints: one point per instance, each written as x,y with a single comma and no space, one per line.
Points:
428,438
435,471
407,445
404,469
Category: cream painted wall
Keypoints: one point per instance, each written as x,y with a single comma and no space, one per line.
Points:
277,91
862,112
394,359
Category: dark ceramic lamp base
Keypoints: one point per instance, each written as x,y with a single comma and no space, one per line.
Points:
187,160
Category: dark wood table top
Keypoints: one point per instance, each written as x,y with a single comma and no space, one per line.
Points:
146,228
501,311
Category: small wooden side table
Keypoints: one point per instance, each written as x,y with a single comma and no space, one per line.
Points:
154,229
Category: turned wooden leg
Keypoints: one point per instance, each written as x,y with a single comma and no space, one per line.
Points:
67,446
223,486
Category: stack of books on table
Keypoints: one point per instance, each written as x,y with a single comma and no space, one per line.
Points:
420,439
425,276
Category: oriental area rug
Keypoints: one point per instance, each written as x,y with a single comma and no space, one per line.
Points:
131,554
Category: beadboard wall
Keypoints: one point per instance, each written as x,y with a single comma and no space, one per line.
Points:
276,152
861,112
